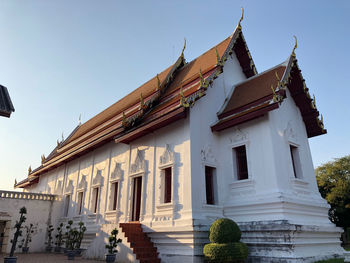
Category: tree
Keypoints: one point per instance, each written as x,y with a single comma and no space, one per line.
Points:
333,179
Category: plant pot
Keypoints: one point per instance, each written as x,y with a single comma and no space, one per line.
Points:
10,259
70,254
25,249
57,249
48,249
78,252
110,258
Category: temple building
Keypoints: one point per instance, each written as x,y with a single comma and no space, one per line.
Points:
202,140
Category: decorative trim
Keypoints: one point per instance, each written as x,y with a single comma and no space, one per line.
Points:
117,173
98,179
289,133
69,188
207,154
82,184
238,136
139,164
168,156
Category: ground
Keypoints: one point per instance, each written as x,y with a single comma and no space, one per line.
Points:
41,257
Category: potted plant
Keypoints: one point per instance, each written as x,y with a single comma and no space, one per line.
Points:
59,238
71,238
68,228
18,225
30,231
79,238
112,245
49,238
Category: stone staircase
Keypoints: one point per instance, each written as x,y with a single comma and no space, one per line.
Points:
140,243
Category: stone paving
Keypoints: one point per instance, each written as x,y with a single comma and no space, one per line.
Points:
46,258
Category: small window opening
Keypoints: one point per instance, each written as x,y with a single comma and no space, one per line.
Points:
80,202
294,153
167,185
67,204
95,199
241,162
115,195
209,184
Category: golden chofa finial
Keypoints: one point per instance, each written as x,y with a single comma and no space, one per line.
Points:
15,182
239,26
43,158
274,95
29,170
295,46
183,49
58,143
79,120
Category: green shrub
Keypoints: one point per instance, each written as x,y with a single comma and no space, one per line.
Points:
226,253
224,230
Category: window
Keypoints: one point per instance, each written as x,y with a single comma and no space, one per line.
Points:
209,184
294,153
167,185
241,162
80,202
114,189
66,205
95,199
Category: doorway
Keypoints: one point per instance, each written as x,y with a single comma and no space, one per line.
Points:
136,198
2,234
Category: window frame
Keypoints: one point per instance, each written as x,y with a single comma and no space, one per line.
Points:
81,203
295,161
213,184
234,161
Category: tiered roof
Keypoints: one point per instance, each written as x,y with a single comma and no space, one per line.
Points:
160,101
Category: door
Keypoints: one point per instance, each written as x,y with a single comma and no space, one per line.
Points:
136,198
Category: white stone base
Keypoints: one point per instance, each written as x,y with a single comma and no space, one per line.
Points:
346,256
281,241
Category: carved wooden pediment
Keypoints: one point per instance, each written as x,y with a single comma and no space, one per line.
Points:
167,157
139,165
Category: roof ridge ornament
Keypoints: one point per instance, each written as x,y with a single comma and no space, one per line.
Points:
202,82
158,83
183,49
79,120
295,46
43,158
183,101
29,169
239,26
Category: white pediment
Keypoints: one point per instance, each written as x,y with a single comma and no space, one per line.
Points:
238,136
117,173
289,133
58,189
82,184
98,178
139,165
69,187
207,154
167,157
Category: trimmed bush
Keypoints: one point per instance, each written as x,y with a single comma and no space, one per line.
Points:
226,253
224,230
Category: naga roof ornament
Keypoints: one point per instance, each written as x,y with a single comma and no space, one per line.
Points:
295,46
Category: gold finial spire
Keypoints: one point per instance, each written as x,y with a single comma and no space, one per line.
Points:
43,158
295,46
183,49
58,143
15,182
79,120
29,169
239,26
62,137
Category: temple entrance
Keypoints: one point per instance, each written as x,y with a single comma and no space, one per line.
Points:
136,198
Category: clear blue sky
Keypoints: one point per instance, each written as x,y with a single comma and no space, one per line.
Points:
60,59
